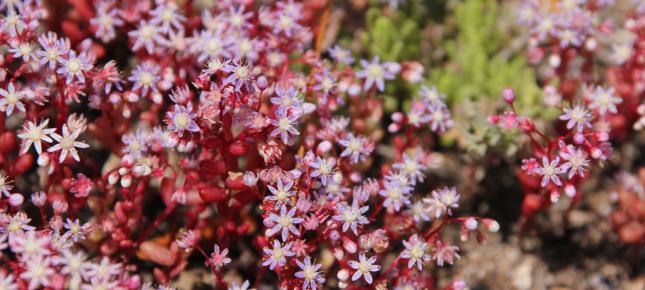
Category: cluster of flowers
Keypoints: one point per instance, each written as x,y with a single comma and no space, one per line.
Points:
565,157
225,126
598,102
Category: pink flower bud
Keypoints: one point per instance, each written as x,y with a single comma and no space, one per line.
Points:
471,224
343,275
262,83
491,225
16,199
349,246
39,198
508,95
578,138
570,190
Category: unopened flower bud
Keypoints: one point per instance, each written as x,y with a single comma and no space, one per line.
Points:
349,246
43,159
570,190
262,83
554,196
16,199
39,198
113,178
343,275
491,225
323,148
471,224
354,90
60,206
578,138
126,181
508,95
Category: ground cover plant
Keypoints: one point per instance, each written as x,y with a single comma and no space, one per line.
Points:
319,144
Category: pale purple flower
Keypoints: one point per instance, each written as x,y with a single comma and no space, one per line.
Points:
286,24
578,117
576,161
219,258
550,171
17,225
38,272
136,143
286,222
440,119
240,75
212,45
67,144
8,282
364,267
546,25
106,20
239,19
420,211
341,55
286,97
282,193
431,96
166,15
74,67
277,256
22,50
415,251
355,147
146,35
443,201
29,244
30,133
74,230
445,253
104,270
325,83
145,77
53,49
11,99
13,23
396,194
324,168
374,73
284,123
72,264
351,216
412,167
182,119
621,52
310,273
604,100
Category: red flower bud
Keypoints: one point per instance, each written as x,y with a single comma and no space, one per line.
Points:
212,194
7,142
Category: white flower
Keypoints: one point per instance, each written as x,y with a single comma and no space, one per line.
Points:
415,251
67,144
35,134
364,267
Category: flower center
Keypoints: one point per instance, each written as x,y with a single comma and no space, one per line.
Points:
74,66
67,143
285,221
181,120
375,71
146,79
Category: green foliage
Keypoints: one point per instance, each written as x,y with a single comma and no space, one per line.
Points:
392,38
476,66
